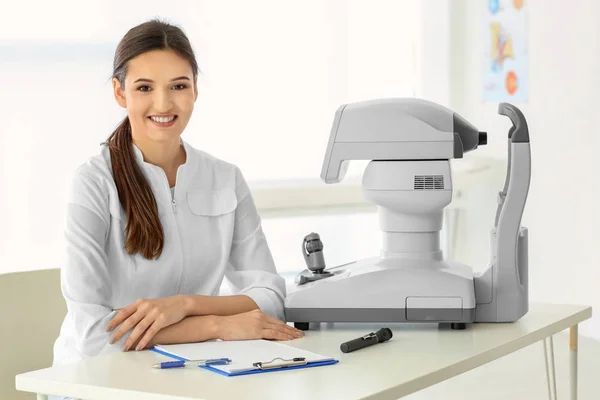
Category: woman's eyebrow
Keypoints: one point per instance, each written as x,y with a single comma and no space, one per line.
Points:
151,81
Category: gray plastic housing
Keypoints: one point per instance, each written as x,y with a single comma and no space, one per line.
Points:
396,129
501,291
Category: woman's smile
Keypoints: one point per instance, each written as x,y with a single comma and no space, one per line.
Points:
163,121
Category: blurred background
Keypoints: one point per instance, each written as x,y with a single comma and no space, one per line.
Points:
273,74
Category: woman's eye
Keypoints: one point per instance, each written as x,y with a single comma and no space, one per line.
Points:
146,88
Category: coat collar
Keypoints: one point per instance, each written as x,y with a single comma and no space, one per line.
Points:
157,177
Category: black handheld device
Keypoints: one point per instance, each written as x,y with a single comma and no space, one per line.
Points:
382,335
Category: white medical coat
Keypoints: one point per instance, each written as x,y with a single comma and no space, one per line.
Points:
212,230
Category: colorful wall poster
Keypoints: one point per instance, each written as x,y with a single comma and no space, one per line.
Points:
505,51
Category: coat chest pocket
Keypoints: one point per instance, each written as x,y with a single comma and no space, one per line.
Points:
213,215
212,203
211,227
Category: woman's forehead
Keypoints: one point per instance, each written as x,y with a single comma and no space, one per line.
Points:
158,65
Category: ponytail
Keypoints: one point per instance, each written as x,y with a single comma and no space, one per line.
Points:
144,232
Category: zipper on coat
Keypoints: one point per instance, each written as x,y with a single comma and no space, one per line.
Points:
174,205
180,246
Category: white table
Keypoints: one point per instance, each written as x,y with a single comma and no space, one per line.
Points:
418,356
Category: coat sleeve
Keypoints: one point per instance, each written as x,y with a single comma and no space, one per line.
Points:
251,269
85,276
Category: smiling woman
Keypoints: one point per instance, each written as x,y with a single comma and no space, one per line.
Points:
155,225
158,110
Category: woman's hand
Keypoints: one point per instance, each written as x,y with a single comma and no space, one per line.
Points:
146,317
254,325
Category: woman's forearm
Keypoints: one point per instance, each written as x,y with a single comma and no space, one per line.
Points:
189,330
203,314
219,305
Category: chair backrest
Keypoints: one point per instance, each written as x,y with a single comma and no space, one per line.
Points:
32,309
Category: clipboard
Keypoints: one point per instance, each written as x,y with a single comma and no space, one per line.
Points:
248,356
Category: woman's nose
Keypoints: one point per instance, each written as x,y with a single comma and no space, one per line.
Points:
163,101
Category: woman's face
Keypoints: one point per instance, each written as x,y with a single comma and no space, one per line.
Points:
159,86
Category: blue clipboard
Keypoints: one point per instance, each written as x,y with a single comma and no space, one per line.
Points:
250,372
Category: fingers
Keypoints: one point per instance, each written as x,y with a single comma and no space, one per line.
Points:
122,315
153,330
287,329
272,323
273,320
126,326
276,334
139,330
288,332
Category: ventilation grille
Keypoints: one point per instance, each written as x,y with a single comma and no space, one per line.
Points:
429,182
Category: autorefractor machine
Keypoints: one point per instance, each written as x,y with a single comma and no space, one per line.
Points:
410,143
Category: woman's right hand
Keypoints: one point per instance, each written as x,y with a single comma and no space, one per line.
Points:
254,324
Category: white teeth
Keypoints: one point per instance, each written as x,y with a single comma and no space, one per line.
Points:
163,119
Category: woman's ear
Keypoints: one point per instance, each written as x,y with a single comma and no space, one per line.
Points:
196,88
119,93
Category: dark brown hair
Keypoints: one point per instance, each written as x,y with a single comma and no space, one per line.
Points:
144,232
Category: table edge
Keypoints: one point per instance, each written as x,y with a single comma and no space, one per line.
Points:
33,385
463,366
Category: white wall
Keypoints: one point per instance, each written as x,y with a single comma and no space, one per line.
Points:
563,208
56,103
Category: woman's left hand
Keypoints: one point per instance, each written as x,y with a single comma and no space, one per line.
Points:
146,317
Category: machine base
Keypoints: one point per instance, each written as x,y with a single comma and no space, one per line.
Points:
306,315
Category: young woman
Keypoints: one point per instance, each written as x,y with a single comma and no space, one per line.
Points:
154,225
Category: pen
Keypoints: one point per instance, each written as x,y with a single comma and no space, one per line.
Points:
191,363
